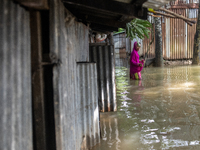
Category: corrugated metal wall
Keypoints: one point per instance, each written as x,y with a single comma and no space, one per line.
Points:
120,42
192,14
104,56
15,78
178,37
145,43
183,2
181,34
69,44
87,111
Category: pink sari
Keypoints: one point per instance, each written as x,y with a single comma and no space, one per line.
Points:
135,69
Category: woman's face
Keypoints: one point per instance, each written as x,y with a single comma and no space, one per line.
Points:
137,47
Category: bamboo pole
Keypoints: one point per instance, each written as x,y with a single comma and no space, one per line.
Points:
177,15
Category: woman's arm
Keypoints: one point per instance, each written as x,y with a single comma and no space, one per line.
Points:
134,62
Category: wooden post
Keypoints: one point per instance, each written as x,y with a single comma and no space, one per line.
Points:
158,42
37,83
42,86
111,40
34,4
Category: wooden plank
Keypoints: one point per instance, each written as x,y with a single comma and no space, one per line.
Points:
37,82
35,4
103,28
101,21
105,5
138,2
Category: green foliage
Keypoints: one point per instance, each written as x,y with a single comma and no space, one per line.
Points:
138,28
119,30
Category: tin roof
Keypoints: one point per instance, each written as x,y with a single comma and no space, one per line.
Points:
109,15
155,3
103,15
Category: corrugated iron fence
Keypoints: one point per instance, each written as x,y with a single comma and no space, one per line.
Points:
74,90
178,37
104,56
72,98
87,111
15,78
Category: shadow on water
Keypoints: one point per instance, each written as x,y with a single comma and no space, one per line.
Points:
157,113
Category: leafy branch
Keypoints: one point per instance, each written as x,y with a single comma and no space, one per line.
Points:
138,28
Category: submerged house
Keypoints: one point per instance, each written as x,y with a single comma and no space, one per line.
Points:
54,80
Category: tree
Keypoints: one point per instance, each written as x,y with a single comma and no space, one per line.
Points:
195,59
158,42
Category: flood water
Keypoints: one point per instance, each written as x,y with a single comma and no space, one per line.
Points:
157,113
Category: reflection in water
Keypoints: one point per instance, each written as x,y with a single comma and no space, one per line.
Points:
159,112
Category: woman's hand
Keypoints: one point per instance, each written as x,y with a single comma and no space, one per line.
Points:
140,64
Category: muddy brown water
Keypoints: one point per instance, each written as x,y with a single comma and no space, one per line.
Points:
157,113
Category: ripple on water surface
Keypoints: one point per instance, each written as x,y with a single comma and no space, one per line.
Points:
159,112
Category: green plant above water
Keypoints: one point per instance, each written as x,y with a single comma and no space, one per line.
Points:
138,28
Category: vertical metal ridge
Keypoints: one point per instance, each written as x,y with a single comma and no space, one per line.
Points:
19,49
96,112
17,78
101,77
93,100
10,91
114,103
95,106
93,58
87,106
27,62
83,83
89,75
78,120
107,82
109,75
12,81
3,79
103,70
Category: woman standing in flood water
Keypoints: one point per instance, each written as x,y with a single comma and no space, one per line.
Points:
136,66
